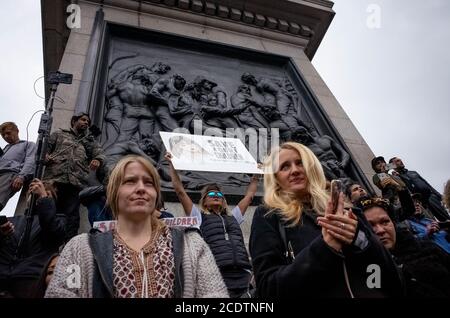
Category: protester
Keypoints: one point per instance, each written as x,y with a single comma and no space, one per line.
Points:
17,162
425,267
301,247
405,209
416,184
142,257
46,276
389,184
221,229
423,226
20,270
71,153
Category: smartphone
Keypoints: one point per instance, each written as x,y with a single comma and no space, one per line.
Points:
336,188
3,219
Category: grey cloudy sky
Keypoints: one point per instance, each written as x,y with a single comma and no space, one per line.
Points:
393,81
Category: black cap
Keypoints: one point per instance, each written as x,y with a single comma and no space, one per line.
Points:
376,160
416,196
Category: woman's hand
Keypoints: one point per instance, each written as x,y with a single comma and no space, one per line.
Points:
37,188
339,228
168,157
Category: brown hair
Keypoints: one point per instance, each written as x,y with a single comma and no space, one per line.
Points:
8,124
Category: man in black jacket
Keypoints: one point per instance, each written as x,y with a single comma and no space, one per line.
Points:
416,184
19,273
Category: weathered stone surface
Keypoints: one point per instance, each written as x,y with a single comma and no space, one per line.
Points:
260,20
223,12
235,14
283,25
271,22
248,17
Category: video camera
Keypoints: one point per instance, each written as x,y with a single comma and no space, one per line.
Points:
59,78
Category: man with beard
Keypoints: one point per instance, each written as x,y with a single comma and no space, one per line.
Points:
71,153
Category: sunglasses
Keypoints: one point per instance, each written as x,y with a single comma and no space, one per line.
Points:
375,202
213,194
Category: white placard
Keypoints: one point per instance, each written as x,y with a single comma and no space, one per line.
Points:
207,153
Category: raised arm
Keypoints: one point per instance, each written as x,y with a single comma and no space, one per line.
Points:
251,190
185,200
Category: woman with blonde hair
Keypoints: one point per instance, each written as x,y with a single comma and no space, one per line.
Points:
301,247
142,257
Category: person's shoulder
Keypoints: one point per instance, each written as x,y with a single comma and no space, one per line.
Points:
265,212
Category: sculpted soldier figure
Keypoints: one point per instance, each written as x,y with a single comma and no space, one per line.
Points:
332,156
275,95
128,102
164,96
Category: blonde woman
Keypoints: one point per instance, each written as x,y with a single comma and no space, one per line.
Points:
300,247
141,258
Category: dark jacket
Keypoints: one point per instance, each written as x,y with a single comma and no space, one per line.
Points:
71,154
47,234
425,267
317,270
224,237
431,198
102,248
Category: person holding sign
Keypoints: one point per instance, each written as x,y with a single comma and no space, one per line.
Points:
221,229
141,257
301,246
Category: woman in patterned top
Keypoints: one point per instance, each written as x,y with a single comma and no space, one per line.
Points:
142,257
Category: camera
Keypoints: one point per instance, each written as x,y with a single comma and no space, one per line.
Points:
58,77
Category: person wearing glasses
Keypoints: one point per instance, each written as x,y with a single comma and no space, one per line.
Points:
221,229
301,245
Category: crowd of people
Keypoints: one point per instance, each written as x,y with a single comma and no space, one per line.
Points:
302,243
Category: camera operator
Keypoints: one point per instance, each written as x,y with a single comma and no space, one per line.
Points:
389,184
19,274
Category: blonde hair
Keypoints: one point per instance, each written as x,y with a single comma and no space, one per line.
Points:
204,192
116,179
290,207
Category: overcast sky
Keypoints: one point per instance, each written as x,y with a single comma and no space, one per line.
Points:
393,81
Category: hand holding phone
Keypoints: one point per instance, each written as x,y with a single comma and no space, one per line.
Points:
337,187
